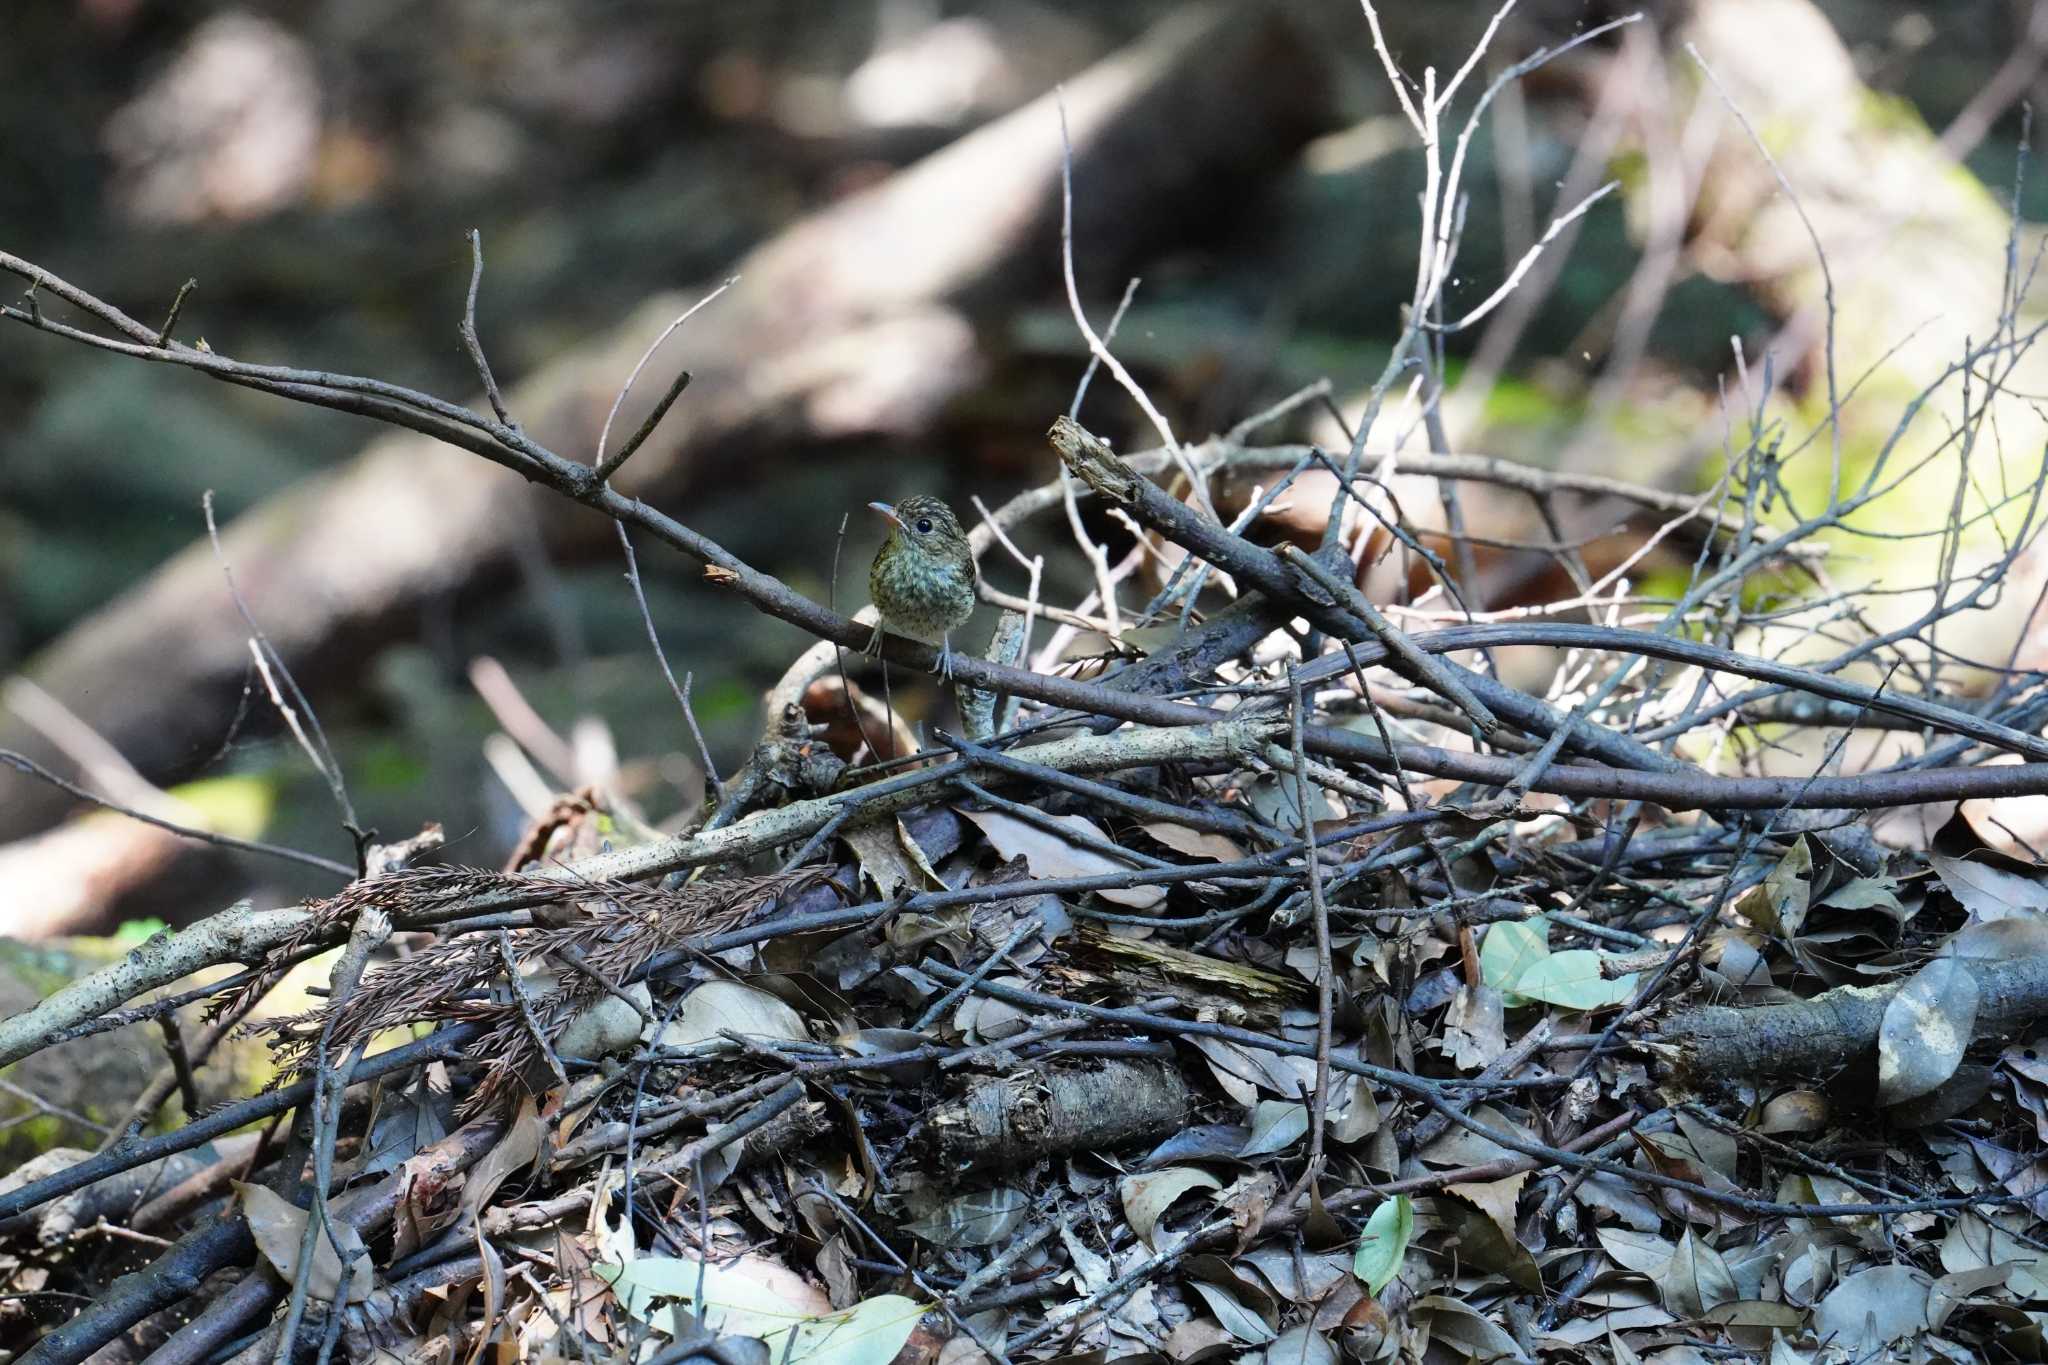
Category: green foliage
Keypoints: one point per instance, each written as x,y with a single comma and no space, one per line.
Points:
1385,1243
389,765
1516,960
241,806
136,932
1519,403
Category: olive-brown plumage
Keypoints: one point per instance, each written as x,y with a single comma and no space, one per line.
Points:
922,581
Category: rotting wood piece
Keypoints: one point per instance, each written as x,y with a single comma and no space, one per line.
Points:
1230,992
1022,1119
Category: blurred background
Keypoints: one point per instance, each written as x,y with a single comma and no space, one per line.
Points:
884,177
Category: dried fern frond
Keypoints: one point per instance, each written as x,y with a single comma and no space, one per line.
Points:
624,926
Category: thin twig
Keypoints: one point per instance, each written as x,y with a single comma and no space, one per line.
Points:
271,665
601,469
22,763
680,692
468,329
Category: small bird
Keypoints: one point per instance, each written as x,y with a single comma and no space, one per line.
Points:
922,581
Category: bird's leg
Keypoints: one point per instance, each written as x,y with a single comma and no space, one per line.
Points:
944,668
874,645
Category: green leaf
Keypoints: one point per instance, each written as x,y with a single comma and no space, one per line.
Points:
1572,979
869,1333
1510,948
750,1298
1385,1243
754,1298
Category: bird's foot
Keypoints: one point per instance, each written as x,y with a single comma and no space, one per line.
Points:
874,645
944,667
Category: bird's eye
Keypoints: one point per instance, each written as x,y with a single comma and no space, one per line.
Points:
924,525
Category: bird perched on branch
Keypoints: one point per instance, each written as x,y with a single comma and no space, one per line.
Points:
922,581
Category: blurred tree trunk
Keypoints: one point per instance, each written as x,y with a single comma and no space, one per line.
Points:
859,320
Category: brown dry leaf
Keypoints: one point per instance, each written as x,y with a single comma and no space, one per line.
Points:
957,1350
1986,889
2001,940
513,1153
1050,856
1195,843
1301,1345
2014,825
1482,1244
1795,1111
1669,1154
1695,1279
833,1268
1873,1308
1475,1031
1911,827
494,1297
1194,1336
1248,1200
1353,1113
917,855
1147,1195
1243,1071
1924,1031
854,722
413,1222
565,1112
968,1218
884,853
280,1229
1496,1199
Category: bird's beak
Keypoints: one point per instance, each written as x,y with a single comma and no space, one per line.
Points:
886,510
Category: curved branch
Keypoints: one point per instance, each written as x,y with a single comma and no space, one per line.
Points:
239,934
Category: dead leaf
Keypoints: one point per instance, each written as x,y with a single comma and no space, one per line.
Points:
1147,1196
1050,856
970,1218
1248,1200
1195,843
1925,1030
1795,1111
1496,1199
1481,1243
878,845
1986,891
279,1228
1873,1308
2014,825
1475,1029
728,1006
513,1153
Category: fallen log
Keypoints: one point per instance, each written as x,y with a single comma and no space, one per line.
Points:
1832,1036
1016,1120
